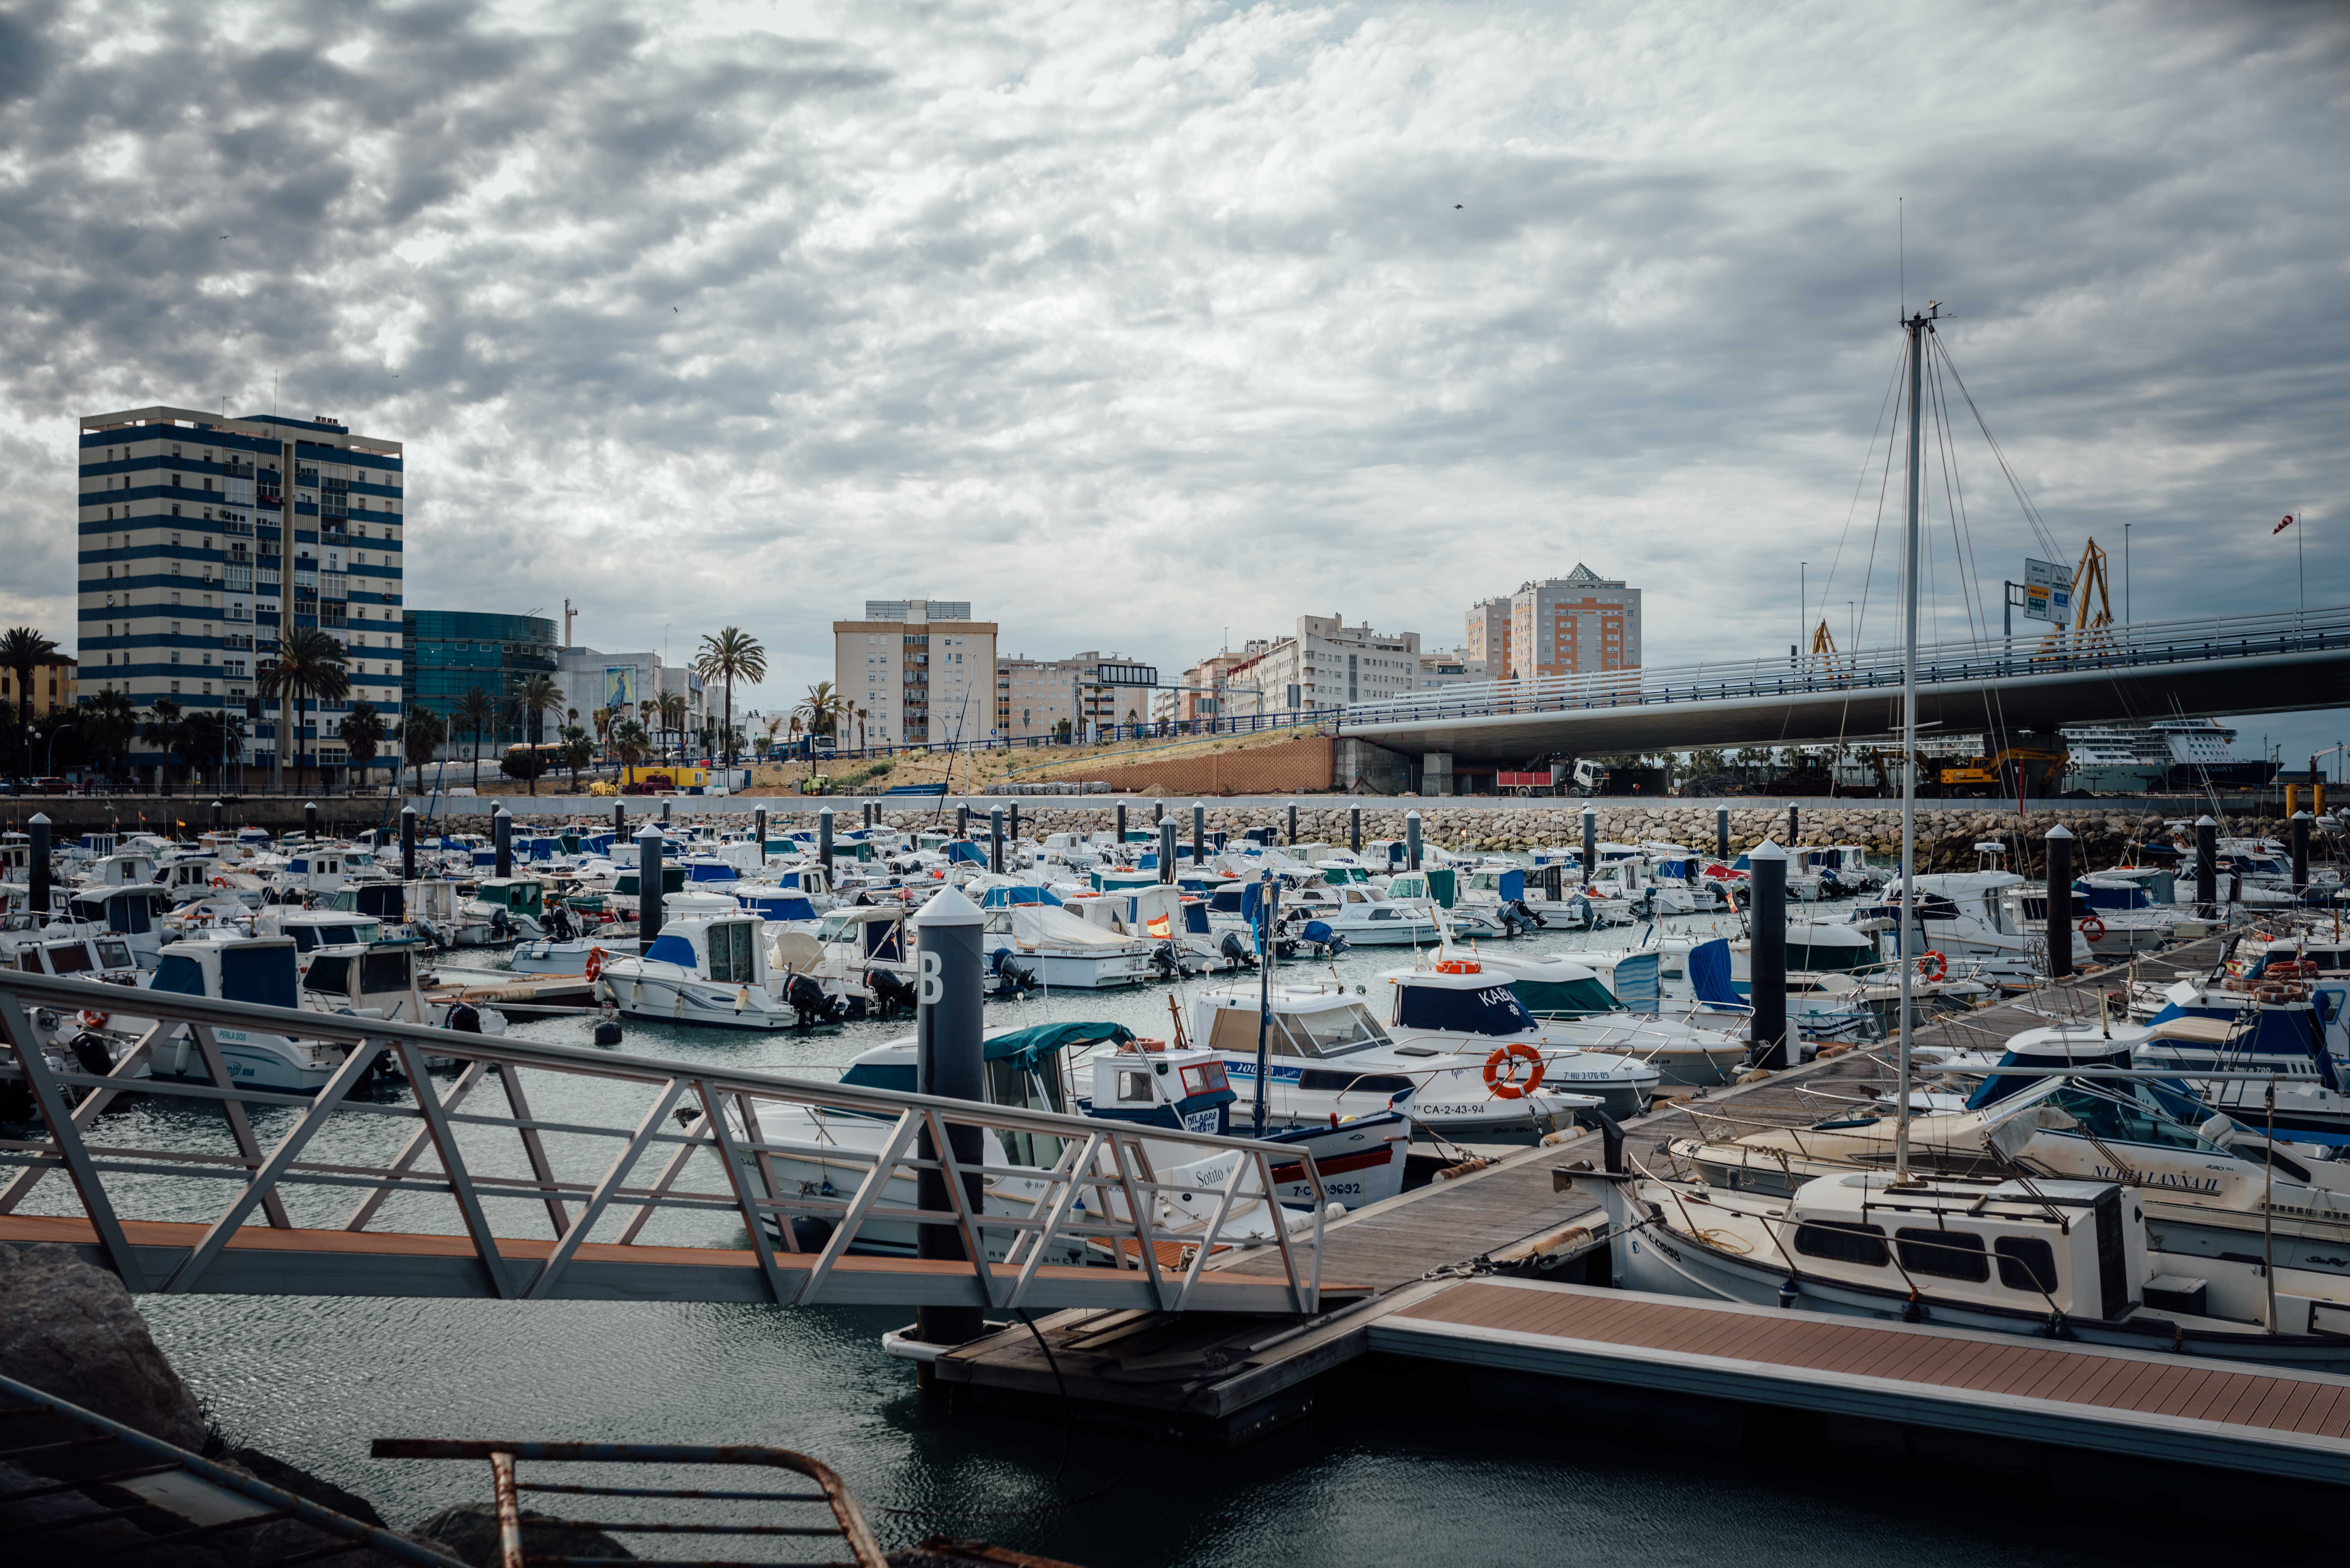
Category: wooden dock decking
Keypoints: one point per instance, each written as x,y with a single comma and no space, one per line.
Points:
1232,1380
263,1260
2273,1421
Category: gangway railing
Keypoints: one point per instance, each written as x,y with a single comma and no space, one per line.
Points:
422,1144
1974,662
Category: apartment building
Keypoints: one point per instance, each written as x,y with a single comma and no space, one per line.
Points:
1567,626
1036,696
916,671
1488,639
1449,667
190,524
1222,684
1327,663
52,686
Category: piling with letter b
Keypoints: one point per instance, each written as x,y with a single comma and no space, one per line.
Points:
1767,955
950,1062
2060,901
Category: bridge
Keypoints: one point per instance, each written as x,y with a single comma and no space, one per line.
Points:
215,1210
2291,663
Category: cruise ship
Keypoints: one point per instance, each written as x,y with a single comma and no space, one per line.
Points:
2167,754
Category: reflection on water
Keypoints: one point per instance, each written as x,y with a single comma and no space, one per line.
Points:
1378,1485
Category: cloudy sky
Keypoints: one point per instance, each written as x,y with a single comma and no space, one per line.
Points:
1136,322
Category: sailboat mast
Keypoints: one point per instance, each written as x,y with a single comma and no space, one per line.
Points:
1917,328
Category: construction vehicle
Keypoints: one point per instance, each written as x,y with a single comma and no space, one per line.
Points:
1996,774
816,783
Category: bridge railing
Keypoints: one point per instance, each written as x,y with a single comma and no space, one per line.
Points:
1966,662
381,1136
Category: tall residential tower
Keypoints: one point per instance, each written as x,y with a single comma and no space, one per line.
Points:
186,524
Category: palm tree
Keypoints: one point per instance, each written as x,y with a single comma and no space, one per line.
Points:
629,742
420,735
537,695
602,718
860,727
672,716
577,752
733,653
165,729
478,711
308,667
822,710
212,735
363,731
109,720
24,650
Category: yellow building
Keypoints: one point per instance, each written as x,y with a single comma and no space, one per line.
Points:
54,684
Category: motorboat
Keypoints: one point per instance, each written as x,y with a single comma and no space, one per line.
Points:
1573,1004
1456,1007
261,971
378,980
827,1153
1327,1055
1063,950
135,913
707,970
514,908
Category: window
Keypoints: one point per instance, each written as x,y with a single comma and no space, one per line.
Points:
1944,1255
2026,1263
1842,1242
1134,1087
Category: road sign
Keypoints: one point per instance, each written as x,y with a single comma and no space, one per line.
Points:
1125,675
2047,591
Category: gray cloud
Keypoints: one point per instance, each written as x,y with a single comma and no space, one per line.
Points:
1132,323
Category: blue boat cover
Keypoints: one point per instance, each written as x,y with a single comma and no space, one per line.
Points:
1708,972
671,948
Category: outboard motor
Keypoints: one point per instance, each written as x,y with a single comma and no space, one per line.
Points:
1526,915
90,1052
1014,974
500,926
1235,951
1319,934
463,1018
809,1005
1163,960
889,991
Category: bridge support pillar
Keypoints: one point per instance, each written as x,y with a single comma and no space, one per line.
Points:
949,972
1767,958
1436,773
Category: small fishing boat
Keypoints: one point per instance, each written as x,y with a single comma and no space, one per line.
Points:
707,970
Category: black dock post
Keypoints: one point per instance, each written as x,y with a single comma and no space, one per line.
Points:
950,971
2060,901
408,843
2207,868
1767,957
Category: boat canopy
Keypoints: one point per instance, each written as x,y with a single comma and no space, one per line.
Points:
1572,997
1709,974
1028,1049
1490,1009
1004,895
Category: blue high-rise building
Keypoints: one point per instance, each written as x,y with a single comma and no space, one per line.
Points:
186,538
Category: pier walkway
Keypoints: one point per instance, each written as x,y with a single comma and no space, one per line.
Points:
1229,1380
385,1180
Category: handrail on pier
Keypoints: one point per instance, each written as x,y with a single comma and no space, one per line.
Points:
1102,1195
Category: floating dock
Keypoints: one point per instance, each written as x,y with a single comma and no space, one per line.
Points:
1433,1258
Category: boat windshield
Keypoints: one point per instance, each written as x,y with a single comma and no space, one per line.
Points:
1332,1031
1010,1082
2137,1112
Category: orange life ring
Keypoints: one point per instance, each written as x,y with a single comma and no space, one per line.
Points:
595,963
2092,927
1462,966
92,1019
220,881
1501,1072
1932,965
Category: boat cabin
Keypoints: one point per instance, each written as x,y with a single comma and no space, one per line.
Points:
377,980
384,901
517,895
134,912
87,956
2073,1247
123,869
872,931
261,971
310,930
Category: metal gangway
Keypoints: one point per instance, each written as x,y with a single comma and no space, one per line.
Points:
305,1213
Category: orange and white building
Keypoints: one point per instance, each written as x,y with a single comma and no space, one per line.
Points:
1573,625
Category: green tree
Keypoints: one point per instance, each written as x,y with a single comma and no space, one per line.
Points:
476,711
733,654
421,733
23,651
629,742
363,731
821,711
537,695
165,731
310,668
578,751
212,735
109,722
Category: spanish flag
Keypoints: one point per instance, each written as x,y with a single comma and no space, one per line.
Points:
1161,926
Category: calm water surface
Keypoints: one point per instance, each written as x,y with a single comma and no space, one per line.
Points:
1386,1486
